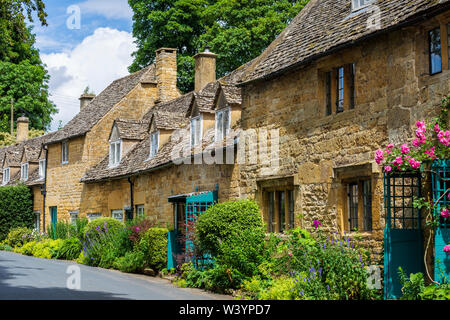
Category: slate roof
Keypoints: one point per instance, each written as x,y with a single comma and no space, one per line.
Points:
325,25
132,129
101,104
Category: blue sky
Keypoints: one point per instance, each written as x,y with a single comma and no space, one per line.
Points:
93,55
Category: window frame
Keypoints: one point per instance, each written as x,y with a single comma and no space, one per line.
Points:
364,205
273,207
430,59
194,138
72,214
222,128
140,210
24,168
94,215
117,211
42,168
65,152
154,152
5,181
37,221
356,4
340,79
113,161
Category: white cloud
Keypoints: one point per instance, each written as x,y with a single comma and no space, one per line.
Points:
97,61
111,9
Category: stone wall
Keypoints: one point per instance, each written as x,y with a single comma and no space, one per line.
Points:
392,92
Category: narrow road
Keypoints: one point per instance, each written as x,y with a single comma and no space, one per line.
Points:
31,278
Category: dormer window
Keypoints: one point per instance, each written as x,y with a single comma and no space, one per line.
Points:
5,176
42,168
196,130
359,4
24,172
154,144
222,123
115,153
65,152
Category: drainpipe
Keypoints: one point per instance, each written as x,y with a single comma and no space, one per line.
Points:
131,196
44,190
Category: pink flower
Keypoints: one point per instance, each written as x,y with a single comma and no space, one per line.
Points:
404,148
444,213
137,229
430,153
436,128
290,254
444,137
421,125
387,169
417,142
316,223
398,161
414,164
447,249
389,148
379,156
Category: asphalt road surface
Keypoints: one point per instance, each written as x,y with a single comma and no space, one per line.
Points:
31,278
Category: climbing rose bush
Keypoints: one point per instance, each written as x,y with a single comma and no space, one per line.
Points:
431,142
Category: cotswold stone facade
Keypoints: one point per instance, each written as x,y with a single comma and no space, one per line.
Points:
334,87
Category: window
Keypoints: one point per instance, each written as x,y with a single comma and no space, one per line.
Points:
42,168
140,211
196,130
5,176
359,199
340,88
93,216
154,144
115,153
435,53
222,123
359,4
37,221
328,93
73,217
24,172
280,210
64,152
117,214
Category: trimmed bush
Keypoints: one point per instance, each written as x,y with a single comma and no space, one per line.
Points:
17,237
153,245
16,209
105,224
224,220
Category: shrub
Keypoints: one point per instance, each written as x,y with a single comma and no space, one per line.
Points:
5,247
60,230
102,225
17,237
224,220
132,262
153,245
27,248
16,209
138,227
42,249
412,286
77,229
70,249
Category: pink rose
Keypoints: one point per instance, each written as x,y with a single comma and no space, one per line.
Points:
421,125
447,249
379,156
444,213
414,164
404,149
398,161
436,128
444,137
387,169
430,153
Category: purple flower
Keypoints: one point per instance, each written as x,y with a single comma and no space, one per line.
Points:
316,224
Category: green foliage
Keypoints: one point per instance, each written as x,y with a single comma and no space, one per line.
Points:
133,262
97,226
60,230
237,31
6,139
5,247
70,249
27,248
224,221
17,237
434,292
47,249
16,209
413,288
77,229
153,244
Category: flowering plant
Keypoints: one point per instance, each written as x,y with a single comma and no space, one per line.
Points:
432,142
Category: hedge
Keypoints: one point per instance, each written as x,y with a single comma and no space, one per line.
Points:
16,209
154,246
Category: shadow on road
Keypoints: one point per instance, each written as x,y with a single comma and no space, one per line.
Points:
14,292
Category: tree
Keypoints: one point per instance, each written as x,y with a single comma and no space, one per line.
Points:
236,30
23,77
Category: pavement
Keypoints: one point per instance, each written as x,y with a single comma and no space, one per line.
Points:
30,278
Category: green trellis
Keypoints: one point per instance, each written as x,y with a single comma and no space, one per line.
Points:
440,185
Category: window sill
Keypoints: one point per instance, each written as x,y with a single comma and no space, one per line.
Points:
430,79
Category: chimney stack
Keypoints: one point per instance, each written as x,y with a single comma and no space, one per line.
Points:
22,129
85,98
166,74
205,68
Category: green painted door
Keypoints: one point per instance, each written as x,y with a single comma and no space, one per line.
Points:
53,217
403,241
